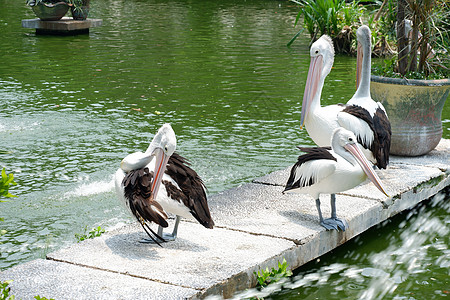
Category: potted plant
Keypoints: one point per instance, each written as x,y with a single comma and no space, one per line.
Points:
49,10
79,9
415,99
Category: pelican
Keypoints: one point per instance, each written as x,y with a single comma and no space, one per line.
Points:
324,170
320,121
141,176
361,114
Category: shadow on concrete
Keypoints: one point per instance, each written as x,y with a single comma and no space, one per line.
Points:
127,245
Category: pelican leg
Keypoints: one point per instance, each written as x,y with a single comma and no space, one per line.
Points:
172,236
334,220
167,237
325,223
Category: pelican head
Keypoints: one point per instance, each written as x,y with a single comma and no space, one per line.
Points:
363,36
343,138
322,58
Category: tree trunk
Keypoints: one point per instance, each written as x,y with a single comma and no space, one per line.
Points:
402,41
414,44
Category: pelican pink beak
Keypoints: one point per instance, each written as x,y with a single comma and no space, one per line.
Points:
161,160
366,166
359,59
312,84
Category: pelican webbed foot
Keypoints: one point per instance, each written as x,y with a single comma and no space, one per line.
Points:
334,224
329,224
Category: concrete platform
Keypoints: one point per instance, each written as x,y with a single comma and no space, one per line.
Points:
256,226
65,26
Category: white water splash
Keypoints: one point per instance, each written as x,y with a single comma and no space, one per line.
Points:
92,188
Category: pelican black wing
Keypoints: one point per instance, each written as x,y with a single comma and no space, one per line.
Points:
192,190
137,187
312,153
381,128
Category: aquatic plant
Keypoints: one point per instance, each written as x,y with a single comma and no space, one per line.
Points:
266,277
336,18
5,290
6,181
94,232
42,298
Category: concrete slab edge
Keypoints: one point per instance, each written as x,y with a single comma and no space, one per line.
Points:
118,272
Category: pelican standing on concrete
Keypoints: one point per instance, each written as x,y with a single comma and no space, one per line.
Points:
160,181
322,170
361,114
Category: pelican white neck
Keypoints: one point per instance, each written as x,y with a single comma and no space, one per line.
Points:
363,63
322,58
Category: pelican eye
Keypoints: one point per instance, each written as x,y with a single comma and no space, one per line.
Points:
350,139
166,148
317,52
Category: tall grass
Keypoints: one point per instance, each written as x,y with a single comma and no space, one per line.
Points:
335,18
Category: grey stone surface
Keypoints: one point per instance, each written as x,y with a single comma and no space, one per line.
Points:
256,226
199,258
397,179
58,280
438,157
263,209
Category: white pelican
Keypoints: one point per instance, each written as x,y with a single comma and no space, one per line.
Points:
322,170
361,114
182,191
320,121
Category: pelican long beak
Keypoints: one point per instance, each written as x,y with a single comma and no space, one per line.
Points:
311,87
366,166
359,59
160,167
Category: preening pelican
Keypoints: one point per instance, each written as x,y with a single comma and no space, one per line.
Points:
323,170
361,114
141,176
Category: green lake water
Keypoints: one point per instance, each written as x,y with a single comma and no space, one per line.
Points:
219,71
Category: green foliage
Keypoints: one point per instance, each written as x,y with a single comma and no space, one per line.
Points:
5,290
387,67
95,232
6,181
78,4
266,277
327,17
42,298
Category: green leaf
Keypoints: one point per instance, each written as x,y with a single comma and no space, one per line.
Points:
295,37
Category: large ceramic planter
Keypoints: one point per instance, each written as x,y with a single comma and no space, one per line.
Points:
414,108
50,11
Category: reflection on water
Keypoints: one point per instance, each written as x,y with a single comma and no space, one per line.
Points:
407,257
73,107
